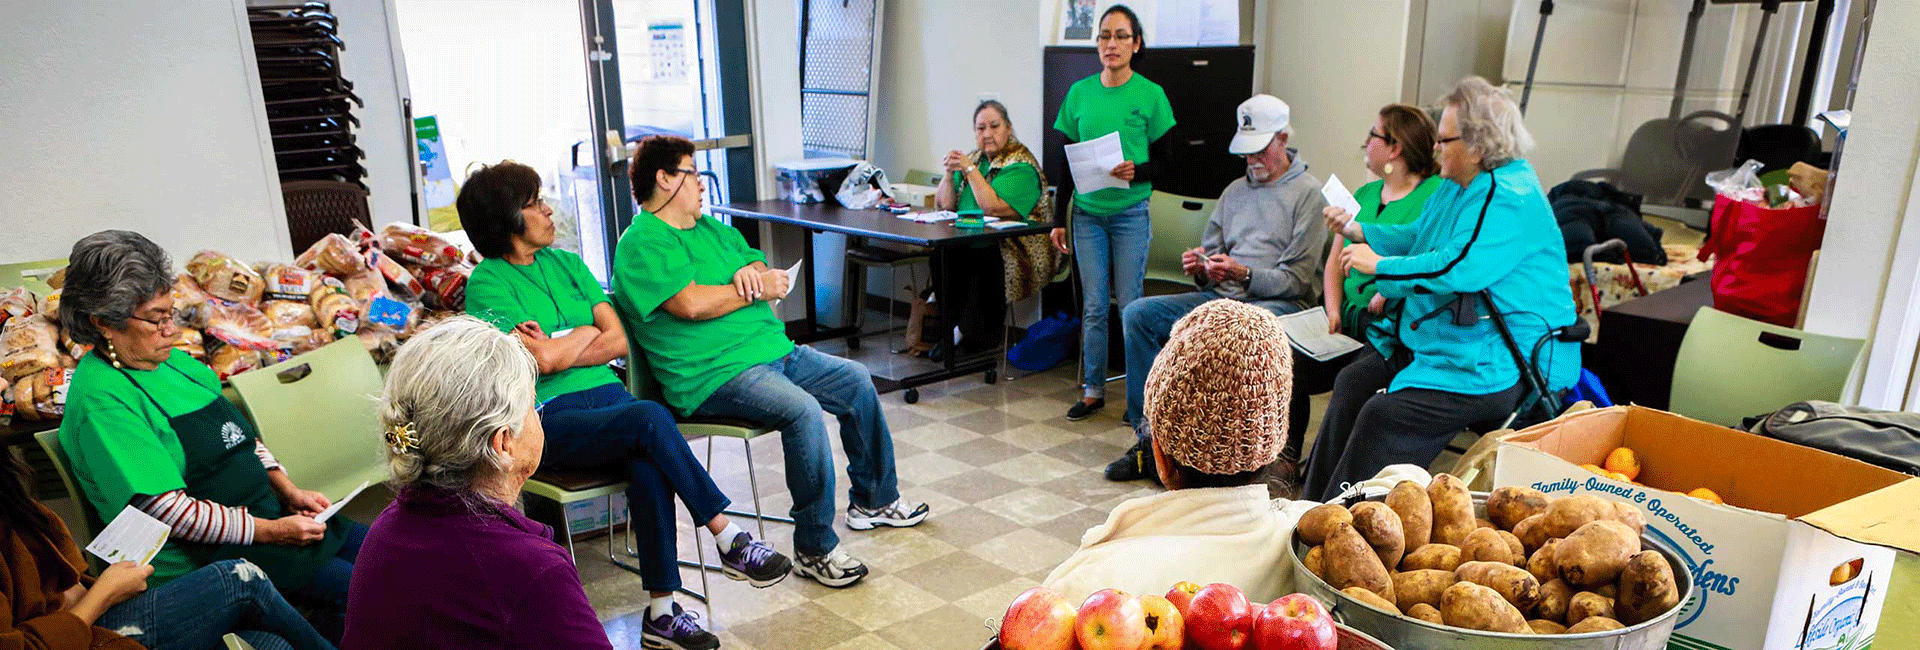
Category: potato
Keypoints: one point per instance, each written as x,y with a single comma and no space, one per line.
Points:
1380,526
1595,554
1508,506
1316,523
1351,563
1587,604
1371,599
1426,613
1452,509
1532,532
1546,627
1315,561
1416,513
1432,556
1513,583
1483,523
1568,514
1555,596
1514,544
1595,624
1647,589
1541,564
1485,545
1627,514
1607,590
1422,586
1476,607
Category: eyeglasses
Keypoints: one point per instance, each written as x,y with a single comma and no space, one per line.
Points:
1374,134
162,323
1443,141
1115,36
683,170
536,202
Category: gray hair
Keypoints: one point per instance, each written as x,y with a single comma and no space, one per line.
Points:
109,274
454,385
1489,122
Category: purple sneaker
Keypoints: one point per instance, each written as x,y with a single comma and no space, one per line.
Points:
754,561
681,631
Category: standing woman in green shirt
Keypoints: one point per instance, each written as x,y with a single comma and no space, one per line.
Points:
548,300
1110,228
1001,179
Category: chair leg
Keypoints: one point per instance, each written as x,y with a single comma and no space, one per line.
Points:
753,486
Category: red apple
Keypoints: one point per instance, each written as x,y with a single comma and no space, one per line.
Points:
1111,619
1166,626
1040,619
1181,595
1219,618
1295,622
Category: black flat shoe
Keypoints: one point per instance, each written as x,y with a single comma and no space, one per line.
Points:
1083,410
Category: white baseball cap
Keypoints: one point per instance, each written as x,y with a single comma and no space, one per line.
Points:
1259,118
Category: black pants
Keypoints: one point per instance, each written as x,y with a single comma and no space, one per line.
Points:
977,293
1366,429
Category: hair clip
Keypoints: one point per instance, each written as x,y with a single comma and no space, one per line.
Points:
401,438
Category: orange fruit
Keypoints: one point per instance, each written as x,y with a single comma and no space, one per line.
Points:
1594,468
1704,494
1619,477
1624,461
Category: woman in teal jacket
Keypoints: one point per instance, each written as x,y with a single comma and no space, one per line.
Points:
1428,375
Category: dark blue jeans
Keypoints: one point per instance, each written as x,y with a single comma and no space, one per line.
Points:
193,611
606,425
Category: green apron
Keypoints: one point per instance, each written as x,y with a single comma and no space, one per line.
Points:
221,467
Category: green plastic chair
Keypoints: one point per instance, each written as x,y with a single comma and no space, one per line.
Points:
921,177
1731,368
316,412
1178,223
32,275
89,523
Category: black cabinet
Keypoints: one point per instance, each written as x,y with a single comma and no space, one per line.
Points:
1203,84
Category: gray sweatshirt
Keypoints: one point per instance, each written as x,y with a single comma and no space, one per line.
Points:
1277,231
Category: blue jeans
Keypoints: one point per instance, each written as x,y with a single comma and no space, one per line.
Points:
193,611
1111,252
788,394
1148,323
604,425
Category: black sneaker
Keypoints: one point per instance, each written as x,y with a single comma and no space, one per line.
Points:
677,631
754,561
1134,465
1082,410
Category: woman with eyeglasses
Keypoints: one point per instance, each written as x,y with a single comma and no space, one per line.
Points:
1399,150
548,300
147,426
1110,229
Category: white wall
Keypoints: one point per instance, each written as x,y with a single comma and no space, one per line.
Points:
930,81
1335,86
1455,43
120,114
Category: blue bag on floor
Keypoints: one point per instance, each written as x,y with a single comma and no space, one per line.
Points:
1046,344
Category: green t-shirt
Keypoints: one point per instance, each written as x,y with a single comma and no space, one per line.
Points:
1137,110
556,291
691,359
120,444
1018,184
1359,286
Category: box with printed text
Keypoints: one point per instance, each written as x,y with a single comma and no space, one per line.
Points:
1772,568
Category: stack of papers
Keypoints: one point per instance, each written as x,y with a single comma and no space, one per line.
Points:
1307,330
930,217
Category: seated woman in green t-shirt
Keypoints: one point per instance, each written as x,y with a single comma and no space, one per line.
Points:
1000,179
548,300
1399,150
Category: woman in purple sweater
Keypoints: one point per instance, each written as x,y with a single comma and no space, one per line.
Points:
451,564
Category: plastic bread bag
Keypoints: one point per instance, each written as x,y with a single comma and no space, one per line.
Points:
192,343
230,360
287,313
22,390
337,312
402,282
389,315
50,306
49,388
416,245
17,302
364,286
226,278
28,345
1741,183
240,325
447,287
289,282
333,254
380,344
190,302
6,403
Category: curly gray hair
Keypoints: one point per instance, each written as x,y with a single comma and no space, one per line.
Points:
1489,122
453,386
109,274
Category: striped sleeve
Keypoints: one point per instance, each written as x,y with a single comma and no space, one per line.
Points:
266,457
198,520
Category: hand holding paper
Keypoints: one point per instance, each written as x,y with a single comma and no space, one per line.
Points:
1092,163
335,508
1337,196
778,285
133,536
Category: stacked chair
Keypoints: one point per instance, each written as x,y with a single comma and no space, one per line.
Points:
308,102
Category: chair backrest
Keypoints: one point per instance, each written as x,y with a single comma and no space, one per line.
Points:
1178,223
32,275
89,518
316,412
921,177
1779,146
317,208
1731,367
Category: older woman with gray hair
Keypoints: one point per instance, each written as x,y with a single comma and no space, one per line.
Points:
451,563
1441,363
147,426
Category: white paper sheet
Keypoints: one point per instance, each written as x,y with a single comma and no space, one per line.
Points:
1219,22
134,536
793,275
936,216
1092,163
335,508
1337,195
1176,23
1307,330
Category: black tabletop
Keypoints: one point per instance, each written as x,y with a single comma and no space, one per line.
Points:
872,224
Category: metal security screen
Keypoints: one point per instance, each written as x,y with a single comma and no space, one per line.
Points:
838,47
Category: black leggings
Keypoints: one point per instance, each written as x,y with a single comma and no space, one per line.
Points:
1365,429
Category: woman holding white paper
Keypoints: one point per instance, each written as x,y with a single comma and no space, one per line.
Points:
1110,225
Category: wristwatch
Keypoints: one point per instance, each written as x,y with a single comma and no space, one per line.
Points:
1248,274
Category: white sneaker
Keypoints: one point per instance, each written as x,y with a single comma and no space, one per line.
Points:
899,514
835,569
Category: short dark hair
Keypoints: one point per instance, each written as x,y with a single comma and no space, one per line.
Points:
490,202
109,274
1133,19
655,153
1415,132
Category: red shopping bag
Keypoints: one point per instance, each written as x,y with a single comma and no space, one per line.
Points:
1763,257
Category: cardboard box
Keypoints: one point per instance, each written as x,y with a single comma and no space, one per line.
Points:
1775,568
588,518
919,196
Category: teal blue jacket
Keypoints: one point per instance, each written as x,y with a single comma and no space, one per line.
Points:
1497,233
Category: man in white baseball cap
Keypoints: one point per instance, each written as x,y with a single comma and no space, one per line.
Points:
1264,245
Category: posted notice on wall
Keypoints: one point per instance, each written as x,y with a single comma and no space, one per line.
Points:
134,536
